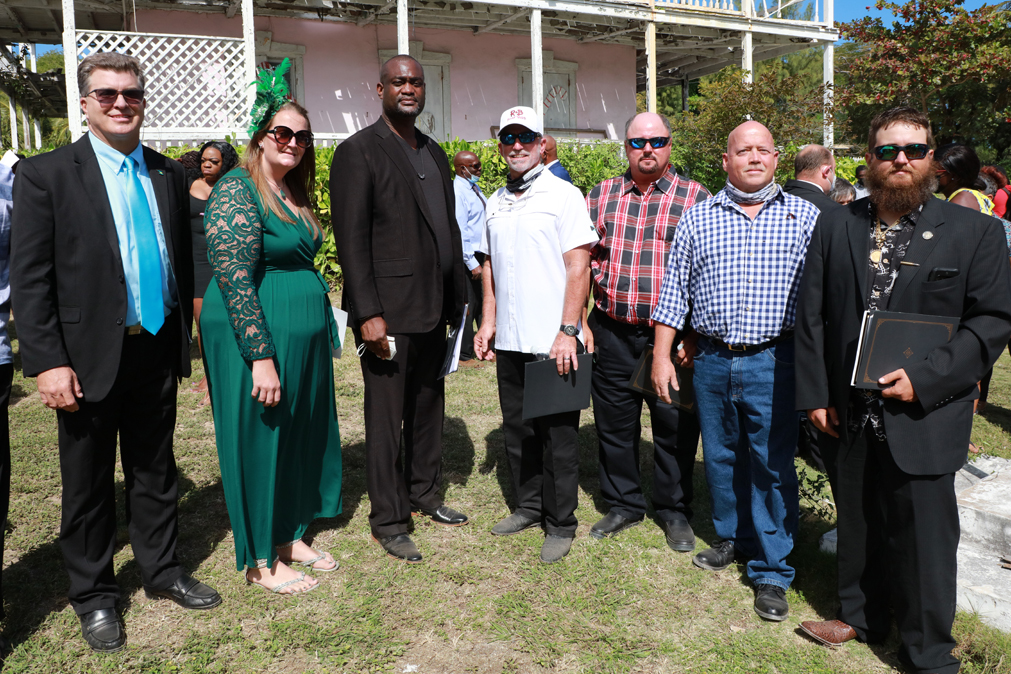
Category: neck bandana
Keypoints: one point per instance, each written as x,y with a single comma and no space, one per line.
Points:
767,193
524,182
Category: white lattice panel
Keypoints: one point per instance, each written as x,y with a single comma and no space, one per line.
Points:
195,85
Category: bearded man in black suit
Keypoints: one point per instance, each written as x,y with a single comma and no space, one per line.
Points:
896,451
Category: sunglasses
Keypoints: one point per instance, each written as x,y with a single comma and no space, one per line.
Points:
525,137
890,152
656,142
283,136
108,97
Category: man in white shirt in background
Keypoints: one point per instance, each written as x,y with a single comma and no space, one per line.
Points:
470,203
536,277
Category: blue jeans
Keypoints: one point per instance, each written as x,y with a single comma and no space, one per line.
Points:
745,403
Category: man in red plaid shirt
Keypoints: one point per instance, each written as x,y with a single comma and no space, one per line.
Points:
635,215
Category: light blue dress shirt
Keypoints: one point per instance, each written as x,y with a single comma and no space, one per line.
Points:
113,165
470,218
6,183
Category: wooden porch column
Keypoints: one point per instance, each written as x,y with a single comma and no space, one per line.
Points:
684,94
536,65
403,35
70,68
35,122
249,53
747,60
828,76
651,62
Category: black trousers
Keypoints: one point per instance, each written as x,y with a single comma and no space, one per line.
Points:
141,410
616,412
543,452
898,537
6,378
475,295
404,400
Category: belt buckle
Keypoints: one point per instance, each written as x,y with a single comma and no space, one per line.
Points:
134,330
737,347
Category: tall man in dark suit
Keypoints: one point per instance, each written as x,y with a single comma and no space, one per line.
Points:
102,279
404,277
896,450
814,178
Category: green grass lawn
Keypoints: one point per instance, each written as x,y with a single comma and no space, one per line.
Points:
478,603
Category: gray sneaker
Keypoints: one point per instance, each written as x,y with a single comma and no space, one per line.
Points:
513,524
554,548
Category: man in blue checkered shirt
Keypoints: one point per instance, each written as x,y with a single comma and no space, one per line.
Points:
734,267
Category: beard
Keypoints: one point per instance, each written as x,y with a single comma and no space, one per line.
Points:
899,198
648,166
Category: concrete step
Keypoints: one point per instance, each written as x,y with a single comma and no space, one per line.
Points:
984,511
984,587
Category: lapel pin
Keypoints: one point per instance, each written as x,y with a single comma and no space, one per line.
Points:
928,235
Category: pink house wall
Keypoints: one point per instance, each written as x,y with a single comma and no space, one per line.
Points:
341,67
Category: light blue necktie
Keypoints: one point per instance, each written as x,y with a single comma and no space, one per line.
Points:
151,304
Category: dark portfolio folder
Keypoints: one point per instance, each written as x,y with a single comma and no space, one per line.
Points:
642,381
546,392
890,340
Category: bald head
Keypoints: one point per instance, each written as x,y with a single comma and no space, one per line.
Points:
650,120
815,164
402,88
751,158
550,150
396,64
466,164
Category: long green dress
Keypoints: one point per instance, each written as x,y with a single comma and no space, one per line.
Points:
280,466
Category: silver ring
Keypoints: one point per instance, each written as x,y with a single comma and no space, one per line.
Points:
567,358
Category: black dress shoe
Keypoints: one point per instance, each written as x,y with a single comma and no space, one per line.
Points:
400,546
188,592
445,515
716,558
679,534
612,524
770,602
103,631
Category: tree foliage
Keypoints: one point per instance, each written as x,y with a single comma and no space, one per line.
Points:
931,47
790,110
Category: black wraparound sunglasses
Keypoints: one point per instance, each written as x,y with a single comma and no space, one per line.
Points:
890,152
283,135
656,142
108,97
525,137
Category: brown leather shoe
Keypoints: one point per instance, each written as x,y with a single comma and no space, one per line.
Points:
829,632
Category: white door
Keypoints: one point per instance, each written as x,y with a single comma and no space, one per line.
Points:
432,121
557,102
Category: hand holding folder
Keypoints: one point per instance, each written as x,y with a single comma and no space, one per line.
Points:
891,340
546,392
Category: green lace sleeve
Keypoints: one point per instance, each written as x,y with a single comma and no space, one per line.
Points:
234,244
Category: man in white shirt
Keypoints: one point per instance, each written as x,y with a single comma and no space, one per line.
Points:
470,204
537,239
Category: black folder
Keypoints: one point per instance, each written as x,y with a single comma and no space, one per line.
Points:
642,382
546,392
890,340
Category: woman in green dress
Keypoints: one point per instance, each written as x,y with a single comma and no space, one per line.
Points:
268,332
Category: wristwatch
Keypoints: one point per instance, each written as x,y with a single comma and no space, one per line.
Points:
569,330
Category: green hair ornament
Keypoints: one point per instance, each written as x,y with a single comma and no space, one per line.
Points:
271,93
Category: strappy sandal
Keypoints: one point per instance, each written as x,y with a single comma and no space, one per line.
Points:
278,589
309,564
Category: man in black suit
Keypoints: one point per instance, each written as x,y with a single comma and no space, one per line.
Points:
404,278
102,282
896,450
814,177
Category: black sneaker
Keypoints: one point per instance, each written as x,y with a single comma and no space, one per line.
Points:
716,558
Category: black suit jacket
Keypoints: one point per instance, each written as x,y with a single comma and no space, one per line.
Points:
67,283
930,436
385,238
812,193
